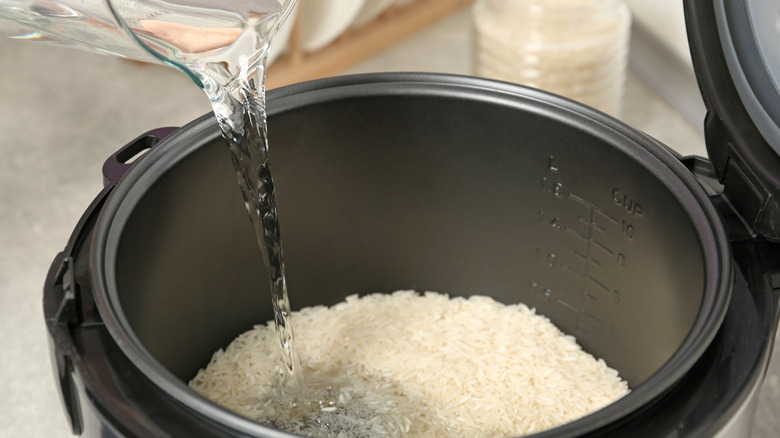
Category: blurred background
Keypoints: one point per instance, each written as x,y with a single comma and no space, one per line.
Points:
64,111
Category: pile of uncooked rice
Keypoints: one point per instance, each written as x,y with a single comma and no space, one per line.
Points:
417,365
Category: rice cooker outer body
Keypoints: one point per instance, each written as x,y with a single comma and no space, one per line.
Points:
105,394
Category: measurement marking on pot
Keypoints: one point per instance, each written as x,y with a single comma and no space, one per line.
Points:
598,283
552,222
627,229
587,258
550,165
576,233
593,317
592,289
590,240
582,327
567,305
586,277
584,293
574,271
593,207
553,187
629,205
595,225
603,247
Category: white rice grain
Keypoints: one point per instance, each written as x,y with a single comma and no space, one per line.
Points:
421,365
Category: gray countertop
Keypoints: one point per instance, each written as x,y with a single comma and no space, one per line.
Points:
63,111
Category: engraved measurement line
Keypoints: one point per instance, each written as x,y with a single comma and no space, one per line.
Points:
583,237
573,271
601,245
576,233
567,305
594,207
593,317
586,258
595,225
586,277
599,284
584,293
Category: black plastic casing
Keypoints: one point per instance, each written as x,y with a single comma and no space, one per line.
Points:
746,162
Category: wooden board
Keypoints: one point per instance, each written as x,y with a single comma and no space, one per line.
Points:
354,45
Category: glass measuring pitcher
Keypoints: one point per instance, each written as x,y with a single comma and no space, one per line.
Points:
187,34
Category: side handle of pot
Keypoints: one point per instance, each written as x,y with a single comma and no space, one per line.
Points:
59,306
118,163
67,300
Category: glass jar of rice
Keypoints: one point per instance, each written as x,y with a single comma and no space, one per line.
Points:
575,48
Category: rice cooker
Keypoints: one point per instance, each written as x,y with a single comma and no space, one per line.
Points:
667,267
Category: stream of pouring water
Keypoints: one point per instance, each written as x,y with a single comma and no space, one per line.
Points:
239,106
225,52
241,116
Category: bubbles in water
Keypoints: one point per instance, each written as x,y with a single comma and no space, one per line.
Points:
332,407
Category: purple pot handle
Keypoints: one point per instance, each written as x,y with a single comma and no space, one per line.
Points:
117,164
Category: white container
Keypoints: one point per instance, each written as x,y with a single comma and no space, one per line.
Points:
575,48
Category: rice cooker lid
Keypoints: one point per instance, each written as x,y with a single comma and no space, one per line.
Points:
734,49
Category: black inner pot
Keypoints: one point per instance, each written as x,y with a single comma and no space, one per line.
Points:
420,182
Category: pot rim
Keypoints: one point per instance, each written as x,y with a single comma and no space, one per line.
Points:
655,156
